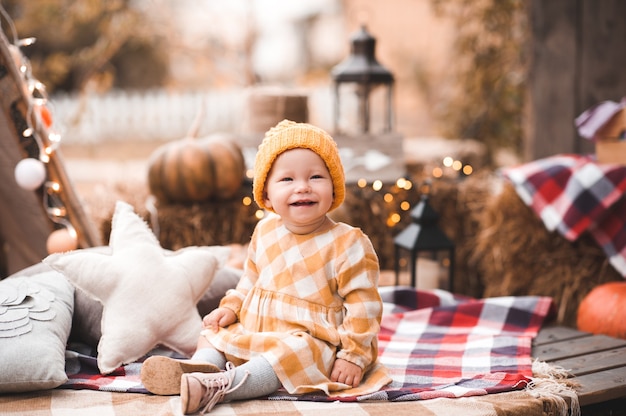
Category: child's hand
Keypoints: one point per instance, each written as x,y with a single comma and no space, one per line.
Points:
219,318
346,372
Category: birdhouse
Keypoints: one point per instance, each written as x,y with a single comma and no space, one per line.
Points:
611,141
605,125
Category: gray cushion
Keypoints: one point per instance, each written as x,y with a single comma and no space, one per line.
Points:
35,321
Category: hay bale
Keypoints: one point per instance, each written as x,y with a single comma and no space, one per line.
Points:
502,247
516,255
367,209
99,202
460,204
207,223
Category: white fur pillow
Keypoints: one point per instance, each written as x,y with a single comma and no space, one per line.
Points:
149,296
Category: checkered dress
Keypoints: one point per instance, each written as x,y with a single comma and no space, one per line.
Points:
303,301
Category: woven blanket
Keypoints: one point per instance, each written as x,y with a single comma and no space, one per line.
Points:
434,344
573,194
89,402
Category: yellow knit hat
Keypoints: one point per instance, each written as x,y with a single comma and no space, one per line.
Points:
290,135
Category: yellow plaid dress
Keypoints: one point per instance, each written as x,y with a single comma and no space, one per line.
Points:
303,301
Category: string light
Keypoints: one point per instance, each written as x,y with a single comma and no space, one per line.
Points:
451,168
30,173
25,41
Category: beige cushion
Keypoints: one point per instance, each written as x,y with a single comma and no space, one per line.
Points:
149,295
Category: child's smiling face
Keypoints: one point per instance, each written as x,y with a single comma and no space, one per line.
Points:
299,188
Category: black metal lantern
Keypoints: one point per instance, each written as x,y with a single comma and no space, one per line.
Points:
423,234
362,69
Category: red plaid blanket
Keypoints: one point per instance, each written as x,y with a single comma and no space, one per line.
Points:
573,194
435,344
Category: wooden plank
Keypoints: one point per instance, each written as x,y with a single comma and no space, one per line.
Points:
557,333
600,53
551,97
577,61
576,347
602,386
595,362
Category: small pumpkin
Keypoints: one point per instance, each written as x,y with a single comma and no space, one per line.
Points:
196,169
602,310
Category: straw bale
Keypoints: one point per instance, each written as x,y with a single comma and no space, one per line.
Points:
516,255
460,205
366,209
502,247
230,222
206,223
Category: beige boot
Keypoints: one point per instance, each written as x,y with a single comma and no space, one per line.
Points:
161,375
202,391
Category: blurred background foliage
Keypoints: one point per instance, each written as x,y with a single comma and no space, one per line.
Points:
488,103
94,45
88,43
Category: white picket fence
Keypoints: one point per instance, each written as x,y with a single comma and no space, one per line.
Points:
160,114
149,115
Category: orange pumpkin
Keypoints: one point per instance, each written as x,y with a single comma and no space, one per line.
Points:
195,170
603,310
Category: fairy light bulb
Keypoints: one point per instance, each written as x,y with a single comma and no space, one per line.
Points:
55,186
30,173
62,240
393,219
26,41
57,212
54,137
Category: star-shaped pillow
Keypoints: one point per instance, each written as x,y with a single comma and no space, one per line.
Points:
149,295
